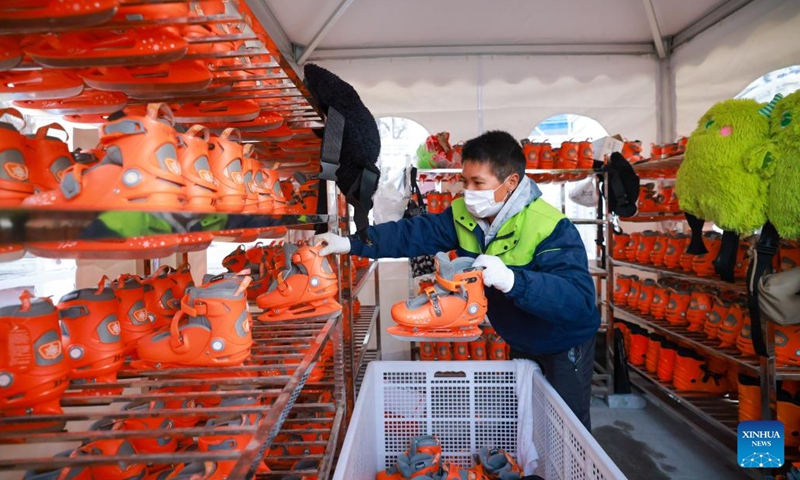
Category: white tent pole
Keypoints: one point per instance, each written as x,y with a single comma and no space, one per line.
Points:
329,23
480,94
655,29
665,98
715,16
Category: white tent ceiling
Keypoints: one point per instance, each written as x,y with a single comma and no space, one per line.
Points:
644,68
414,23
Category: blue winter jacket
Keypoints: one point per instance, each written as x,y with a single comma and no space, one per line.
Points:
552,305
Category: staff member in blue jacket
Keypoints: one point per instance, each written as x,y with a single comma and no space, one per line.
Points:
541,295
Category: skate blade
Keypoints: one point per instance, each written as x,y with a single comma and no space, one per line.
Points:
10,63
47,24
178,95
310,313
442,335
251,137
300,149
233,117
54,94
110,61
134,88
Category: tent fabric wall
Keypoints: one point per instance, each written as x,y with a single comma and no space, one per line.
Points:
464,95
723,61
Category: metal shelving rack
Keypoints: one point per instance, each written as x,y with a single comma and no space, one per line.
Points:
714,416
301,416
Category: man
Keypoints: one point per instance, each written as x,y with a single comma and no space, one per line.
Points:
541,298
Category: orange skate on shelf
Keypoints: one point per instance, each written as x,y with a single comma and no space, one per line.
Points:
306,289
450,310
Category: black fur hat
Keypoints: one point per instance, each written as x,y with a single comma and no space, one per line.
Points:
361,141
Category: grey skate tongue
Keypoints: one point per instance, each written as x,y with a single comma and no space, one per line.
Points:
446,269
408,466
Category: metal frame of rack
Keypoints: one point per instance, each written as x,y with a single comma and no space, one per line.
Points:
709,415
283,354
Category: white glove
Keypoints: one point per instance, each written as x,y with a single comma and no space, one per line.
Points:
495,273
334,244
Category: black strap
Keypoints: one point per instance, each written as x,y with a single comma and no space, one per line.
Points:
618,190
332,144
416,195
365,185
760,264
696,246
725,263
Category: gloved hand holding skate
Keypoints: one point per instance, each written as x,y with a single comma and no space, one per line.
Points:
495,274
334,244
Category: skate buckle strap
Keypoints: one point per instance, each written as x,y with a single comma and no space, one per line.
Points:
452,285
176,340
71,181
437,306
197,310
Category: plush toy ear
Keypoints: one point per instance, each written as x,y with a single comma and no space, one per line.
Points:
761,159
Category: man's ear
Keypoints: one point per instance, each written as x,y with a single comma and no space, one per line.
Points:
513,181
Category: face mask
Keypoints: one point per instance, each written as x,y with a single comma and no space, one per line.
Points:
481,204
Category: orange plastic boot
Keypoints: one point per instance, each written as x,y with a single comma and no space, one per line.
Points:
15,183
679,300
92,334
461,351
658,308
181,279
494,463
647,242
477,349
434,202
546,161
693,374
632,151
531,151
134,320
443,351
585,155
47,159
744,341
306,289
427,351
496,347
703,265
619,245
676,244
567,155
111,448
787,344
653,351
666,361
659,250
749,398
423,458
790,255
140,170
449,310
34,371
447,200
718,312
249,168
789,415
143,443
646,292
700,305
622,288
633,296
732,324
639,340
225,158
633,246
229,441
193,154
159,298
265,181
212,328
236,261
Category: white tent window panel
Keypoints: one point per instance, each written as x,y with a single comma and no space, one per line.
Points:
783,81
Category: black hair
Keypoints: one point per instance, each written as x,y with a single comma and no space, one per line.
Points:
500,150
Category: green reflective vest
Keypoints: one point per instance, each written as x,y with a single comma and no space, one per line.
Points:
518,238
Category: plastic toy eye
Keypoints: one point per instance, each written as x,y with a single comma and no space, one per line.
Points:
786,119
709,123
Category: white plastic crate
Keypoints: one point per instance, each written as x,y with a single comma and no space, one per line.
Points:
468,405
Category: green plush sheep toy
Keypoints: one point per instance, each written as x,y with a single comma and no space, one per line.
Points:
783,197
721,178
